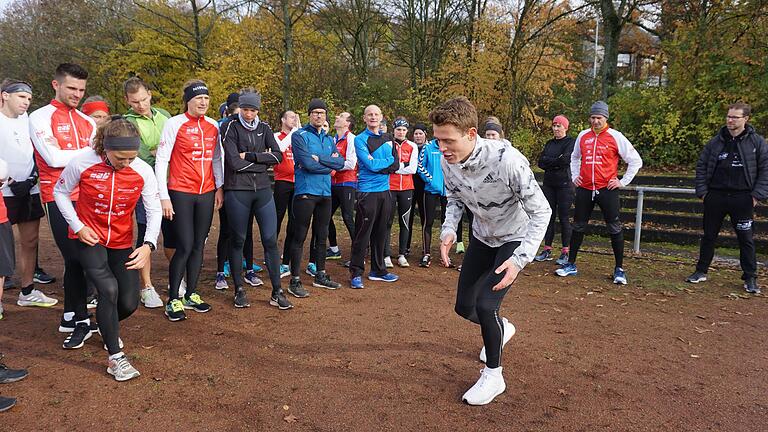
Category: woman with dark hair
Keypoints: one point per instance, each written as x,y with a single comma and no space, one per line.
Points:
555,160
250,148
111,180
189,175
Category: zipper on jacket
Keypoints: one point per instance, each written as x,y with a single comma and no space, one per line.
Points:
74,127
202,158
109,215
594,161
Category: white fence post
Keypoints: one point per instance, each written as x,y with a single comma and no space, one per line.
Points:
638,218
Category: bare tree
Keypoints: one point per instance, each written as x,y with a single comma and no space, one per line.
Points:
287,12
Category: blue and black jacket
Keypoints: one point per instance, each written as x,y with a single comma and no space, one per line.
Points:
430,170
373,174
313,177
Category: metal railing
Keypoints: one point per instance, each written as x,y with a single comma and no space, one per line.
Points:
641,190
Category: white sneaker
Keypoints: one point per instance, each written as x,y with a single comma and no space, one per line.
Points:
402,261
150,298
121,369
119,342
490,385
509,331
388,262
36,298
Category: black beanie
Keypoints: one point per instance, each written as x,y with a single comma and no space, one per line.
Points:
232,98
317,104
420,126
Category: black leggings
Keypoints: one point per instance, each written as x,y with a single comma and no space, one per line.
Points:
418,207
284,203
560,200
371,216
192,218
403,200
476,301
242,206
223,244
344,197
118,288
608,200
308,209
75,291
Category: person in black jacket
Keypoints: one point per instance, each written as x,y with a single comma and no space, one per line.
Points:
731,177
249,149
555,160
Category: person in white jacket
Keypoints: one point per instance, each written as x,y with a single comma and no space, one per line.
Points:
495,182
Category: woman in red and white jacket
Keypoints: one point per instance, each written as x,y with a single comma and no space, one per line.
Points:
401,188
111,180
189,176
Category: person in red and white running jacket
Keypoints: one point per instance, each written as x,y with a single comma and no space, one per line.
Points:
594,171
401,189
284,184
59,133
343,182
111,180
190,174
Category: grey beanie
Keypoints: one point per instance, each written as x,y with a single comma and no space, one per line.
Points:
599,108
250,100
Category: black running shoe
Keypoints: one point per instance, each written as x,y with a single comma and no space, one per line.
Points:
297,290
280,301
174,310
69,326
750,286
77,338
42,277
322,280
11,375
426,260
6,403
241,300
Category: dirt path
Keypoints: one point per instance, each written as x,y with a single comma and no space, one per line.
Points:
656,355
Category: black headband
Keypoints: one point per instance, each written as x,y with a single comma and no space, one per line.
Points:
193,91
494,127
18,88
122,143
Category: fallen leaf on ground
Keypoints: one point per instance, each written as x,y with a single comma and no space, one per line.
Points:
286,407
291,418
694,356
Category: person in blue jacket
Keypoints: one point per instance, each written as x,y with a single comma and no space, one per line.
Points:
376,160
314,156
430,171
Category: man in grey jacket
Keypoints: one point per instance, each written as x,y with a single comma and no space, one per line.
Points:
731,177
495,182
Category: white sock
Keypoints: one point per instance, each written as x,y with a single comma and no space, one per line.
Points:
493,371
116,356
334,249
68,316
87,321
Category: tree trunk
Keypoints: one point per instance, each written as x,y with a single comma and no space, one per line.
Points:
612,24
287,54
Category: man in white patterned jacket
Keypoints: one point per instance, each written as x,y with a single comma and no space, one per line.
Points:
495,182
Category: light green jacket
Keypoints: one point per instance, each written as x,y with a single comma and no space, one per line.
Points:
150,130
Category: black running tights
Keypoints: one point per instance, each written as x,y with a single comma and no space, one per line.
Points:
192,218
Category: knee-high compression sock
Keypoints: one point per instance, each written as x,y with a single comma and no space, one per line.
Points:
617,243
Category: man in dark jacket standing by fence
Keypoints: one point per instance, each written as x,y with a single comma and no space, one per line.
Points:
731,177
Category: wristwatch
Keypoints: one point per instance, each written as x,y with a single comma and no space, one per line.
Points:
151,245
